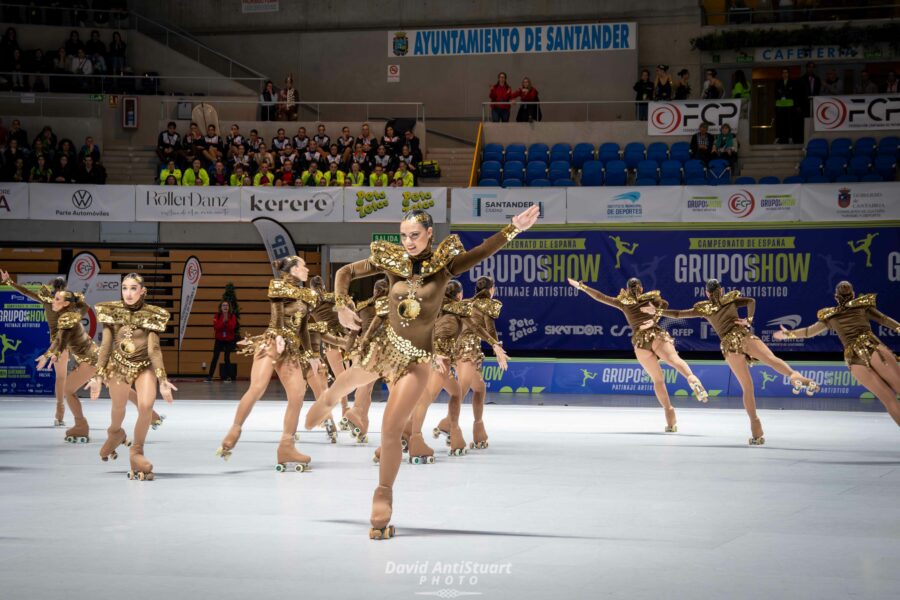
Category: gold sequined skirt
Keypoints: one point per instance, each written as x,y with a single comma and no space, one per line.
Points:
860,350
389,355
124,370
446,347
468,349
733,342
259,345
644,338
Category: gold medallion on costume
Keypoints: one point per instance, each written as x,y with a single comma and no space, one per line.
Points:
127,346
410,307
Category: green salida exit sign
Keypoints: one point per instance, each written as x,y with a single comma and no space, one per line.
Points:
393,238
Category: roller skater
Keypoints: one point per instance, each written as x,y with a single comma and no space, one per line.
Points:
652,344
130,355
871,362
333,335
401,350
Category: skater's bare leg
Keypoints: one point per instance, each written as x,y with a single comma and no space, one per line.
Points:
336,362
665,350
885,364
74,382
118,393
345,383
651,365
758,350
878,386
741,369
260,374
60,367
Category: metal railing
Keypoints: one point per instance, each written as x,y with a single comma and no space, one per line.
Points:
50,105
106,83
570,110
746,15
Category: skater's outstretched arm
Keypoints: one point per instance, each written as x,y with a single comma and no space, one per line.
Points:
801,333
106,343
596,294
882,319
687,313
22,289
521,222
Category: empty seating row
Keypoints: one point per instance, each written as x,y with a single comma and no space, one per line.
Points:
847,148
835,167
632,154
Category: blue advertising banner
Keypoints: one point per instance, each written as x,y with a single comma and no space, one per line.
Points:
24,336
791,272
628,378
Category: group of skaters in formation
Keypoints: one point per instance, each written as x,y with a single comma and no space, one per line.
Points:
420,336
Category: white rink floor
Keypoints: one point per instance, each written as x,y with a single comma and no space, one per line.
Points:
568,502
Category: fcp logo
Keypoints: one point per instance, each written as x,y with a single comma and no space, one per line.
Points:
82,199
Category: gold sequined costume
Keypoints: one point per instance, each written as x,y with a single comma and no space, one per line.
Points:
722,313
71,336
456,317
484,311
290,305
130,341
631,305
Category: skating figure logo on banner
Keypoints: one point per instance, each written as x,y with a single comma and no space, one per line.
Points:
588,376
766,379
836,270
865,246
7,345
622,248
646,272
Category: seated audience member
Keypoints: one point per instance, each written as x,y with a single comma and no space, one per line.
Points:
49,139
333,156
170,180
40,172
384,160
64,171
171,170
16,171
313,155
702,144
240,158
391,141
301,140
406,156
191,145
286,174
238,176
365,136
264,156
18,134
361,157
355,177
196,175
725,146
323,140
67,147
264,176
234,140
90,172
219,176
287,155
253,143
279,142
415,147
212,145
334,177
403,178
345,140
312,176
378,177
90,149
167,144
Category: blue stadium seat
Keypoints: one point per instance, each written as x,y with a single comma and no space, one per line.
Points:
835,166
872,178
514,169
696,181
817,148
670,181
848,178
489,183
886,166
658,151
492,156
563,183
559,169
864,146
540,183
582,153
644,181
647,169
859,166
670,169
561,152
516,148
769,180
694,169
592,173
539,152
817,178
720,171
490,166
681,151
535,169
746,180
633,154
841,147
889,145
493,148
512,182
809,166
794,179
515,156
616,173
609,151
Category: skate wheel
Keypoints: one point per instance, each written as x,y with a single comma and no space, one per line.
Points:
127,443
148,477
279,467
436,433
430,460
84,440
300,468
356,431
70,439
131,475
415,460
114,455
382,534
141,476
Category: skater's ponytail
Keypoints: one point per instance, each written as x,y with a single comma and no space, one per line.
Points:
483,286
381,288
317,283
633,284
843,293
453,289
713,288
284,265
58,284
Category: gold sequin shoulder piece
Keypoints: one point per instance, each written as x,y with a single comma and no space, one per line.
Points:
148,317
866,300
826,313
284,290
706,307
68,320
382,306
447,250
391,257
461,308
46,294
365,304
489,306
730,297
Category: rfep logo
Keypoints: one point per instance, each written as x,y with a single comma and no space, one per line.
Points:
741,204
85,268
82,199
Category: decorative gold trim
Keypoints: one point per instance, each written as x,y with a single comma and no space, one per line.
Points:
488,306
510,232
68,320
394,258
148,317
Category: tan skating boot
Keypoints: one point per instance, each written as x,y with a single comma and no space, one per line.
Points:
330,429
229,442
60,413
756,431
377,458
698,389
671,422
115,438
382,507
156,420
141,468
80,433
479,436
357,424
290,457
799,383
420,453
443,428
456,441
404,437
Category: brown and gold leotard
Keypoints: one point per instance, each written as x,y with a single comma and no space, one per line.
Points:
44,295
479,326
458,317
71,336
290,304
130,342
722,313
631,306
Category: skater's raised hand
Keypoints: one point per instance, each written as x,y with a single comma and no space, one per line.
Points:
780,336
502,357
348,318
646,324
43,360
528,217
442,363
279,344
575,284
94,385
166,388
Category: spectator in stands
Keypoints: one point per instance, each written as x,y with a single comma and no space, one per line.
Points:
279,141
8,45
13,153
300,141
170,180
391,140
662,86
224,325
500,95
891,83
117,54
712,87
415,147
237,176
253,143
48,138
346,159
40,172
312,176
323,140
19,79
530,109
62,66
361,158
312,155
263,156
287,101
355,177
18,134
74,43
212,145
37,149
191,145
82,66
96,51
16,172
683,85
286,174
167,143
810,86
38,65
234,140
865,85
406,157
89,172
832,86
196,175
171,170
785,108
345,140
365,136
702,144
268,100
384,160
741,90
725,146
378,177
64,171
219,176
67,148
334,177
402,177
643,93
89,149
264,176
333,156
240,158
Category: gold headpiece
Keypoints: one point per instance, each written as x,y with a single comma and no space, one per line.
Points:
419,217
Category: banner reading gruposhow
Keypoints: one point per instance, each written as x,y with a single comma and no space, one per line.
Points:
790,272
